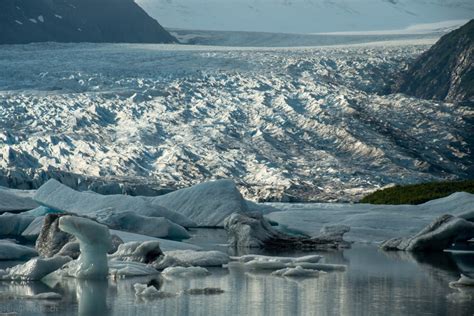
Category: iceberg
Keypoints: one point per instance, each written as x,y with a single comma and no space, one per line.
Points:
14,224
207,204
260,262
254,231
442,233
369,223
94,241
12,200
165,244
185,272
212,258
34,269
130,269
297,271
57,196
144,225
143,252
34,228
463,281
10,250
51,238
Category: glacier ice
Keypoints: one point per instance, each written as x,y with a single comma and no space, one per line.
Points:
94,240
16,200
57,196
254,231
10,250
297,271
144,225
34,269
463,281
369,223
143,252
185,272
440,234
14,224
165,244
51,238
260,262
211,258
207,204
34,228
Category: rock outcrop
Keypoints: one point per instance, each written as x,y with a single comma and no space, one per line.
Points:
112,21
444,72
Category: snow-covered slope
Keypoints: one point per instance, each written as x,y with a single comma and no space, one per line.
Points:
304,16
305,123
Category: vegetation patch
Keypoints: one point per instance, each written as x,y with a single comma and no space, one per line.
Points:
418,193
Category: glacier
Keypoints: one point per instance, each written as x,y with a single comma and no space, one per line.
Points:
288,124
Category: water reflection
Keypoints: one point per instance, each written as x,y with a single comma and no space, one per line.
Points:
375,283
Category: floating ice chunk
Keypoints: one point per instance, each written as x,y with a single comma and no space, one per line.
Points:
185,272
207,204
297,271
41,19
437,236
211,258
463,281
14,224
308,259
143,290
144,252
254,231
94,240
10,250
34,269
16,200
144,225
165,244
60,197
33,230
130,269
46,296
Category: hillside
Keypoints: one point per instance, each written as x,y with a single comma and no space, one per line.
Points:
27,21
445,71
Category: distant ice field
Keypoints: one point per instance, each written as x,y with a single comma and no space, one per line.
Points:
286,123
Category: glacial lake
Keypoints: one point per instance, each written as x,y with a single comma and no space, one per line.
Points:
375,283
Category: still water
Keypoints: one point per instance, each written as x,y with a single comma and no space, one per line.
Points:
375,283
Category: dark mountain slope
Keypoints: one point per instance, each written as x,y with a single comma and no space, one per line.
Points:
445,71
26,21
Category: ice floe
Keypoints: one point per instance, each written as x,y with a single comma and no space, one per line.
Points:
463,281
185,272
16,200
10,250
60,197
14,224
442,233
34,269
94,240
254,231
207,204
297,271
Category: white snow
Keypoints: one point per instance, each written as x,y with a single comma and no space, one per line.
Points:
60,197
10,250
94,241
185,272
370,223
34,269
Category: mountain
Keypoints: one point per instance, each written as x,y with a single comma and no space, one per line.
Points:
304,16
445,71
26,21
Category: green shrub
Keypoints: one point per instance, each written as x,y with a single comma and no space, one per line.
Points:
418,193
